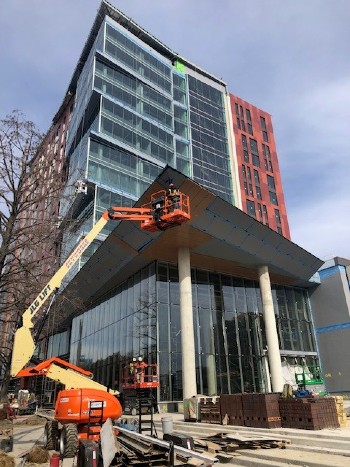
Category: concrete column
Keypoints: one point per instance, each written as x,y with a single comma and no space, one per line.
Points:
267,372
211,375
186,316
271,330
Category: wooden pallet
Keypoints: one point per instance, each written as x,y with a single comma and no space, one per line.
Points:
231,443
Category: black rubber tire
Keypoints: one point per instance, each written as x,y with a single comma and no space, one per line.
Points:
69,440
51,435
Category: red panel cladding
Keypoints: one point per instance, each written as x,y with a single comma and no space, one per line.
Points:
268,165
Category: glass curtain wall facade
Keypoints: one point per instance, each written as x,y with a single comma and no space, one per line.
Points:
135,112
210,152
142,317
121,326
130,120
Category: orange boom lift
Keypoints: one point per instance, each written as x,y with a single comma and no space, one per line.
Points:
85,404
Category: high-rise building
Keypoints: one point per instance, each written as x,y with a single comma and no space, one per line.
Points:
37,236
139,107
259,174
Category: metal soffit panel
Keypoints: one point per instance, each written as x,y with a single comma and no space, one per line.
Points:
216,230
252,242
131,234
104,264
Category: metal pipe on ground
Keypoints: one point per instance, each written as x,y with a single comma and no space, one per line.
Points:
166,445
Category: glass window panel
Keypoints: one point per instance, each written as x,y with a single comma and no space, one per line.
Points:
231,344
273,198
271,183
251,208
253,145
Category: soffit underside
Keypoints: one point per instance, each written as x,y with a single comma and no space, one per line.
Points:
221,239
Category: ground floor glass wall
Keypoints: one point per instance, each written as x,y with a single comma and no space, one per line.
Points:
121,326
229,329
142,317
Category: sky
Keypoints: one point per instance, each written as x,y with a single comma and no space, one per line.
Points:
290,58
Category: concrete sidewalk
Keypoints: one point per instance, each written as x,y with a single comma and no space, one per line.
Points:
307,448
24,438
328,447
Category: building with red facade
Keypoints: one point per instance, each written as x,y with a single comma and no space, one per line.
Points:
258,168
37,256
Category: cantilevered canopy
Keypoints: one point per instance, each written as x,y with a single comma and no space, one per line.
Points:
221,238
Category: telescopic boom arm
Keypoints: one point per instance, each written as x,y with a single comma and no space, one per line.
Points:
164,211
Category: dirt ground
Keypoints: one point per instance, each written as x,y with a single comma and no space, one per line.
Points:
5,425
11,428
29,420
6,460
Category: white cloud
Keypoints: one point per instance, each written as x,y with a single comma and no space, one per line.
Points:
321,117
288,58
323,227
315,165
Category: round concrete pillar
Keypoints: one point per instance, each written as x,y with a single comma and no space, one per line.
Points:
189,384
273,350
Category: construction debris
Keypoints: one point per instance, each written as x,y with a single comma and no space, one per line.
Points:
6,436
143,450
38,455
6,460
6,427
225,445
137,452
30,420
221,447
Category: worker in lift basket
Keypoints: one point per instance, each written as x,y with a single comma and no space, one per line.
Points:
158,208
173,198
141,367
132,370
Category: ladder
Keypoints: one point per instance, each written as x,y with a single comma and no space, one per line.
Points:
95,418
146,420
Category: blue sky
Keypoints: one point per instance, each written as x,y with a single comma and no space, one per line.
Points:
291,58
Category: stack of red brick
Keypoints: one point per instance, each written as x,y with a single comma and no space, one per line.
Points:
255,410
270,411
210,410
231,409
309,414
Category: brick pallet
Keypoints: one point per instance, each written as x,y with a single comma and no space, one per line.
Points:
231,409
261,410
309,414
209,410
254,410
341,413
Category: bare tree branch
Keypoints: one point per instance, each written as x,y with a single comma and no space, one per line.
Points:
31,185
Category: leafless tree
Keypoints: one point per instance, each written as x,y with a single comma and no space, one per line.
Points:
31,182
